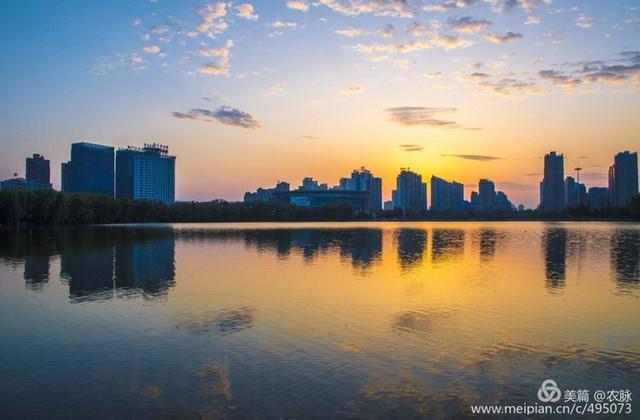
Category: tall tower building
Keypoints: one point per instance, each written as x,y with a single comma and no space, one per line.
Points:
623,179
90,170
411,192
146,173
38,170
487,195
363,180
553,194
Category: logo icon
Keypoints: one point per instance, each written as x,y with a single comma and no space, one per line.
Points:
549,391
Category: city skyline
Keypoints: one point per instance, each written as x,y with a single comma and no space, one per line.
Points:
247,93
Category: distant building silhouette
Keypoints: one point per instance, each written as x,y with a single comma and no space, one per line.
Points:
575,193
553,190
446,196
146,173
310,184
38,170
388,205
410,194
487,195
266,194
37,176
623,179
598,198
363,180
90,170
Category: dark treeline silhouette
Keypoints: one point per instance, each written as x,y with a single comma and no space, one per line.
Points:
52,208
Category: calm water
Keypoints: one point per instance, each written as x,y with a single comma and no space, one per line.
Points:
313,320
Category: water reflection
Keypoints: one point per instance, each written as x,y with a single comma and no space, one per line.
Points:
36,272
97,262
488,242
412,244
554,244
625,256
447,244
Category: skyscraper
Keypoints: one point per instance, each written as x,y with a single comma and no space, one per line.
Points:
38,171
146,173
623,179
89,171
363,180
487,195
446,196
440,194
553,194
411,193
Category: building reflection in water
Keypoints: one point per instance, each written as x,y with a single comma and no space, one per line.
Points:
411,244
488,243
447,244
36,272
625,257
554,243
362,246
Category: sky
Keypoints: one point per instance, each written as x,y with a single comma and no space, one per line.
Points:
249,93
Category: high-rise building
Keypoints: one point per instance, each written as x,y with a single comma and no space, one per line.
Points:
90,170
38,170
440,194
623,179
146,173
457,196
310,184
598,198
446,196
363,180
553,191
411,193
266,194
487,195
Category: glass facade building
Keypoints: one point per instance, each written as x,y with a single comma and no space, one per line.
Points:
146,173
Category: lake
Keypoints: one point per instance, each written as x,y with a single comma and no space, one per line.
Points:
313,320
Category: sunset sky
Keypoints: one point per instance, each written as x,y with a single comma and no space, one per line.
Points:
248,93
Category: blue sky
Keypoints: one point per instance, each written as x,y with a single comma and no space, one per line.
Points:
246,93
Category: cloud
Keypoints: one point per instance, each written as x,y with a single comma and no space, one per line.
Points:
352,90
350,33
223,114
434,75
469,25
501,39
421,116
558,78
505,86
136,22
299,5
583,21
532,20
450,4
411,147
221,65
388,31
281,24
625,68
308,137
152,49
212,23
274,91
450,42
508,5
245,11
390,8
480,158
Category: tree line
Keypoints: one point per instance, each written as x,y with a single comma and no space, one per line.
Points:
53,208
